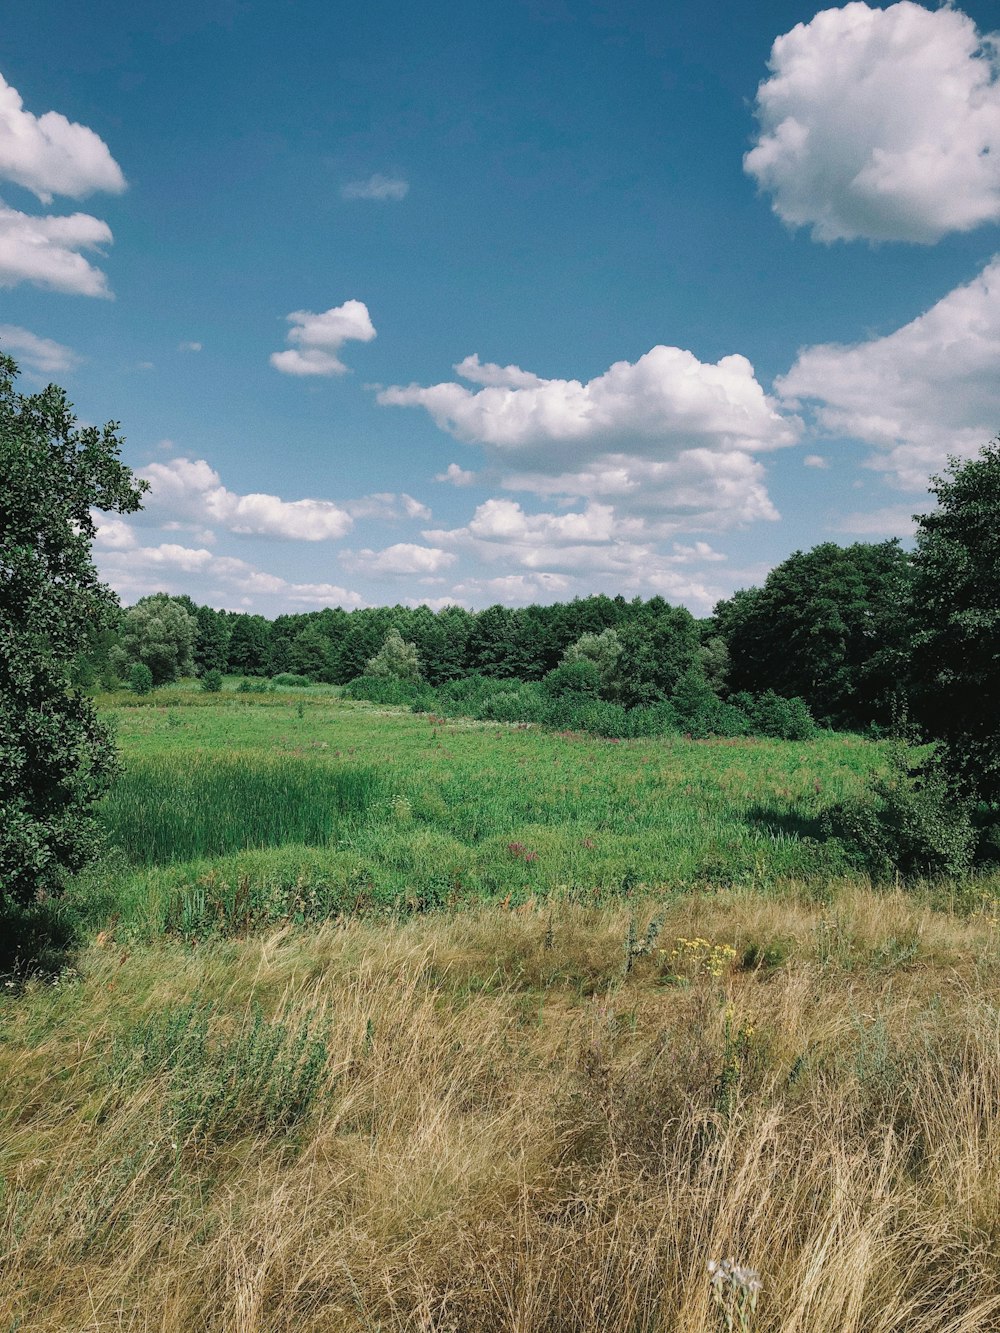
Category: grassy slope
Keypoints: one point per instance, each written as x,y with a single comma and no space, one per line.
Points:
523,1117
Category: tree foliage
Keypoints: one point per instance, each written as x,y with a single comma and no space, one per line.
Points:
955,673
56,758
395,659
159,632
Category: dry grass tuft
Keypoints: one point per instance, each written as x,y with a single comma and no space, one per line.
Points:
514,1127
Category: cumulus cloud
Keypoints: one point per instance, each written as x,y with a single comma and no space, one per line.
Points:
456,476
816,461
134,571
882,124
317,339
191,489
51,155
668,434
376,187
414,508
41,355
927,390
403,558
45,251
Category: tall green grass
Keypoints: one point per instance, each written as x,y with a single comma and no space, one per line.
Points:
211,804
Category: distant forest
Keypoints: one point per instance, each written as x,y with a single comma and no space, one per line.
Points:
831,627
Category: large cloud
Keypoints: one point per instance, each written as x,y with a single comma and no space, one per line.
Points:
317,339
929,389
667,435
881,123
51,155
191,489
44,250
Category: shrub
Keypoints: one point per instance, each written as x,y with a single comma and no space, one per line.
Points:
256,1077
912,822
140,678
248,686
782,719
580,676
211,681
389,690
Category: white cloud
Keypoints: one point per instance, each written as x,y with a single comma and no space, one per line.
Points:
889,521
882,124
192,489
134,571
377,187
497,377
456,476
51,155
44,250
317,339
414,508
403,558
189,347
927,390
113,534
667,435
513,589
41,355
816,461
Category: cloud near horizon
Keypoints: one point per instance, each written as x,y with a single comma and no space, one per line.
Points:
881,124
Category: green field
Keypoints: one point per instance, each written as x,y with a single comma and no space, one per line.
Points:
315,805
376,1023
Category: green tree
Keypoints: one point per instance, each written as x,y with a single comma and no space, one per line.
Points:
830,625
211,643
604,650
56,757
395,658
160,633
956,608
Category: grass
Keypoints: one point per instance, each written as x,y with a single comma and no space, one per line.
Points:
511,1131
372,809
376,1022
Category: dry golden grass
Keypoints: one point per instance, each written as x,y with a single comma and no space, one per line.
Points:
514,1133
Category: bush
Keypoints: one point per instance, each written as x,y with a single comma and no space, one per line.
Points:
140,678
581,676
247,686
913,822
211,681
390,691
289,680
772,715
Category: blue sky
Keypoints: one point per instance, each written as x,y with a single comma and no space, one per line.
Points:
504,302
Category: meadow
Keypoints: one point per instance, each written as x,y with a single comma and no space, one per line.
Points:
377,1021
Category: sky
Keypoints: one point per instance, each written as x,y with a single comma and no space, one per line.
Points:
505,302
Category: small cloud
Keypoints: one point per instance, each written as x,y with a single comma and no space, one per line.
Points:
815,460
189,347
318,338
403,558
376,187
41,355
414,509
145,365
456,476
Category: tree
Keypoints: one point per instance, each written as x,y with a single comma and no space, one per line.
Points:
830,625
395,658
956,609
56,758
604,650
160,632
